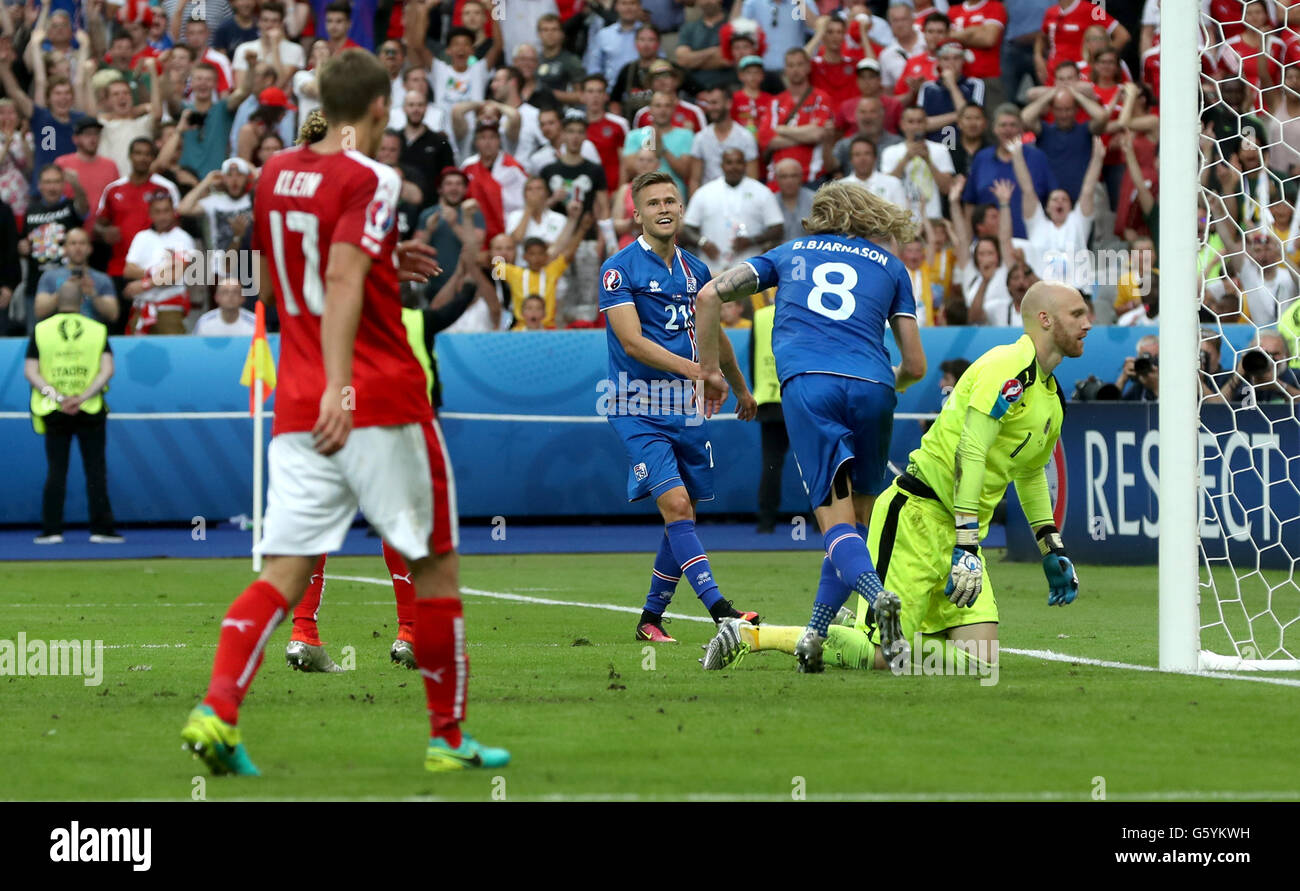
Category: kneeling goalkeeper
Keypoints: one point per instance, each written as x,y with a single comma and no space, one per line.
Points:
999,426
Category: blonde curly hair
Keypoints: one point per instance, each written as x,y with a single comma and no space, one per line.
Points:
313,128
848,209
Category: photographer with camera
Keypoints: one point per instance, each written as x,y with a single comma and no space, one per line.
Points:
99,297
1139,379
1214,380
1262,373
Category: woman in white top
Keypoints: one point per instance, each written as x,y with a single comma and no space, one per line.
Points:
1058,237
983,273
306,92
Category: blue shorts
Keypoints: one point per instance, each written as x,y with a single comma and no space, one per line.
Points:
833,419
663,455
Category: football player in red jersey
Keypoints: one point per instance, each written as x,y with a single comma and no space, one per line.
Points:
353,423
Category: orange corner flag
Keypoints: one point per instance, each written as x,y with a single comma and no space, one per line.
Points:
259,363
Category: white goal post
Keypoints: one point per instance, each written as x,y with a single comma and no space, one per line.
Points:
1236,614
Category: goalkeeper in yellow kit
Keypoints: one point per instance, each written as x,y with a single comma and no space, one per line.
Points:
999,426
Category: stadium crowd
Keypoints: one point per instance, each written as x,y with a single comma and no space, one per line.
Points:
1024,136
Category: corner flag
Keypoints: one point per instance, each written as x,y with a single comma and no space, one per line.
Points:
259,365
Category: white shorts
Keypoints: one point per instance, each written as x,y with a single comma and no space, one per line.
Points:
400,477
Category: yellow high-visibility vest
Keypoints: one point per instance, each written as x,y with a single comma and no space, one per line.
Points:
71,348
767,386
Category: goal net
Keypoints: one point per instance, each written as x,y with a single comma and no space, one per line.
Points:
1244,436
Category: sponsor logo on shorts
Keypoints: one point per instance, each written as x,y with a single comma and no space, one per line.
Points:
640,472
613,280
1012,390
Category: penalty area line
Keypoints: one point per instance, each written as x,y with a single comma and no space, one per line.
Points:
1044,655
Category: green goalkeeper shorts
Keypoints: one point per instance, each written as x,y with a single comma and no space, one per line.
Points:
911,540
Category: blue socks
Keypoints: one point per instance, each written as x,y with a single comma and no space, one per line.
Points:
663,580
847,559
694,563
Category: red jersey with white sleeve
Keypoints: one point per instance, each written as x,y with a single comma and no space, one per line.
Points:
306,203
1239,58
1064,30
923,66
981,61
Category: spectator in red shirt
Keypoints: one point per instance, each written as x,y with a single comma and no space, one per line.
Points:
94,171
124,209
606,131
750,106
834,65
922,67
870,86
1062,35
338,22
800,118
978,26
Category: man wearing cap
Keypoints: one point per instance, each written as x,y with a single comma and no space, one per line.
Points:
121,125
91,169
206,120
551,126
630,90
944,97
699,49
224,201
870,86
721,134
69,363
500,166
751,108
270,116
665,78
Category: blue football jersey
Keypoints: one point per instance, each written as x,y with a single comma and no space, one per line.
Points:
834,296
665,302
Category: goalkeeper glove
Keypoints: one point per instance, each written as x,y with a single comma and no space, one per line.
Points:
1062,580
966,579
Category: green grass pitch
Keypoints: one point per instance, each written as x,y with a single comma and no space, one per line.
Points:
588,715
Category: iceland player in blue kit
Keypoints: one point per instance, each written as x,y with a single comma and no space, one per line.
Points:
647,292
836,291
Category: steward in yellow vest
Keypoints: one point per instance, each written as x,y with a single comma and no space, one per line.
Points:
69,363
